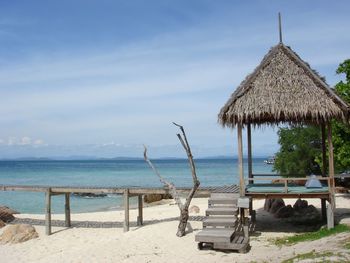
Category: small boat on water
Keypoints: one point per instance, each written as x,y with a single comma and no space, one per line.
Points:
270,160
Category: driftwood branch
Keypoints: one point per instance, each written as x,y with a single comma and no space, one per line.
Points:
170,185
183,207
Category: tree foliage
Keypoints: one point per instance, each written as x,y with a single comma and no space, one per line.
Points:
341,131
300,145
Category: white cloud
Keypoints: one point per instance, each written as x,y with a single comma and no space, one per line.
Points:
22,141
25,141
38,142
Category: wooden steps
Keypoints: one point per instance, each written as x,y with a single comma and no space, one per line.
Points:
218,221
222,210
222,201
215,235
220,225
239,243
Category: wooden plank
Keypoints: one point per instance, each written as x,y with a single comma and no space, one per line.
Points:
67,210
240,247
324,148
240,160
225,195
215,235
325,195
323,209
234,240
140,208
250,163
243,202
221,211
23,188
331,157
286,186
240,240
249,139
220,221
330,217
228,201
48,212
283,179
126,210
201,192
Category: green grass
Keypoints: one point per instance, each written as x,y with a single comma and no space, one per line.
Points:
347,244
310,255
311,236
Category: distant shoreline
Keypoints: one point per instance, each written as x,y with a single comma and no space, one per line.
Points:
122,158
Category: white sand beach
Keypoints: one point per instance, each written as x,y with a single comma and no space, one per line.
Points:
157,242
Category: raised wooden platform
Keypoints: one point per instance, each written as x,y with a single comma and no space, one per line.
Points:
127,192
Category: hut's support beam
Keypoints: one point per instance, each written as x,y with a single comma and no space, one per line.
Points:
240,168
250,163
126,210
48,211
324,169
240,161
331,207
330,217
67,210
140,216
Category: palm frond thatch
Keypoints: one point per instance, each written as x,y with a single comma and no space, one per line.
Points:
283,88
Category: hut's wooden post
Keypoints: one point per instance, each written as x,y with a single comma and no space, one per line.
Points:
324,169
250,164
48,211
240,161
240,168
330,214
140,216
126,210
67,210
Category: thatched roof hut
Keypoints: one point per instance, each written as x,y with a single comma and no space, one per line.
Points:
283,88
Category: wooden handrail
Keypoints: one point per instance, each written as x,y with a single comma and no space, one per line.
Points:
285,180
271,174
288,178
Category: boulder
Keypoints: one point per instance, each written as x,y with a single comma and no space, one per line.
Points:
276,204
6,216
89,195
8,210
341,190
150,198
300,205
307,216
194,209
18,233
2,224
285,212
267,205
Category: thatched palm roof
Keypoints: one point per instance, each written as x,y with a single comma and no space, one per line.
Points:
283,88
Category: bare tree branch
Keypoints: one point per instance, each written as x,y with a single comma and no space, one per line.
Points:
171,186
183,207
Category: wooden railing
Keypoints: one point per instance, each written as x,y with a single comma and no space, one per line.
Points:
285,180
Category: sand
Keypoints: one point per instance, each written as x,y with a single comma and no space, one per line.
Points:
157,242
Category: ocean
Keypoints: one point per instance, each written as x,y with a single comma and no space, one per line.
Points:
118,173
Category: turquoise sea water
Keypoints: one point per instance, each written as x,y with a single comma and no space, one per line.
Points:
119,173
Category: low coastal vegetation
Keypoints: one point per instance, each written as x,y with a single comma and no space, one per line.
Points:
314,256
291,240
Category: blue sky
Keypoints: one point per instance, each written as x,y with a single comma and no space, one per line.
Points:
101,78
